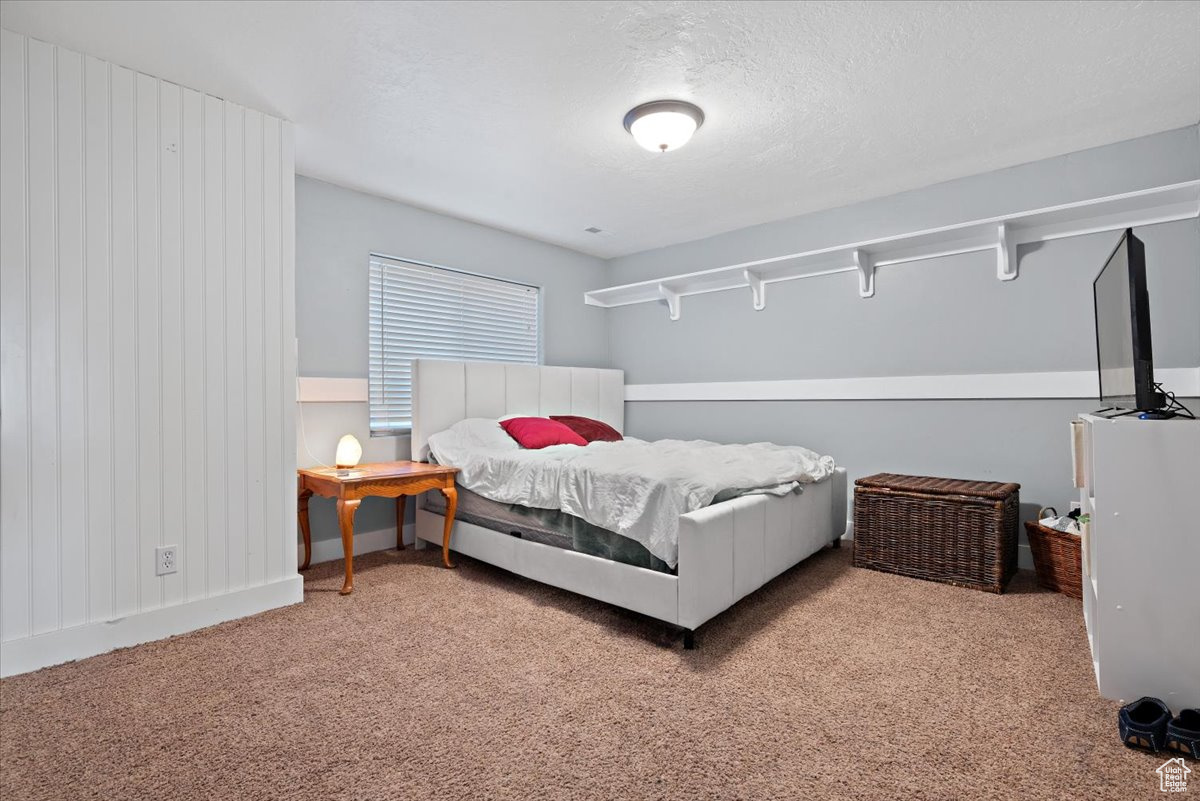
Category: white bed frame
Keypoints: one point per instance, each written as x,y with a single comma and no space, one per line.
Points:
726,551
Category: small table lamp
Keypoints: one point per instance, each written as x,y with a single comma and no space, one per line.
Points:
349,452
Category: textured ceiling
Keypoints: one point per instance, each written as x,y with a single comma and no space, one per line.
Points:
510,114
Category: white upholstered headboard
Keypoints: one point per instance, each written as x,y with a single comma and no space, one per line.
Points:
446,392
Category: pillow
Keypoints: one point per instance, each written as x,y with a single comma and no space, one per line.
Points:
473,433
538,432
589,429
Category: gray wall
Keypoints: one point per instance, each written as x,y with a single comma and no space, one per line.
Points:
944,316
336,230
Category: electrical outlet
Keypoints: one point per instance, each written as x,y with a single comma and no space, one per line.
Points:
165,560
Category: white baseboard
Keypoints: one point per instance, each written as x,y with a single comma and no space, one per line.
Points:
67,645
330,550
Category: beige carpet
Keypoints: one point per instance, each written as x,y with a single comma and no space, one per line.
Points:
832,682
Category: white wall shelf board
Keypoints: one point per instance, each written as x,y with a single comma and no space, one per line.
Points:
1003,234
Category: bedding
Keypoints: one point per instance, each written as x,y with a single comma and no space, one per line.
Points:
635,488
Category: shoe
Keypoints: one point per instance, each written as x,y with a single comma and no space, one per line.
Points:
1183,733
1143,724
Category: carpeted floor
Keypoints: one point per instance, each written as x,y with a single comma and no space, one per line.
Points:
832,682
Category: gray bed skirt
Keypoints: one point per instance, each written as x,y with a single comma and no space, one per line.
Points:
547,526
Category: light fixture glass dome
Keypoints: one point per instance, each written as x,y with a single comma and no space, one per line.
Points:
664,124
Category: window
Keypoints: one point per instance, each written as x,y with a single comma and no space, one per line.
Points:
421,311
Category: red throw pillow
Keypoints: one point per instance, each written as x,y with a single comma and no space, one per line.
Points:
589,429
538,432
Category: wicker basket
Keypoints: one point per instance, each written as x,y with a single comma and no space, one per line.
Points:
1056,559
940,529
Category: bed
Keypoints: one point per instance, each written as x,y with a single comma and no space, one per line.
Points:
725,551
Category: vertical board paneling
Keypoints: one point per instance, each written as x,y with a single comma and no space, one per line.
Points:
149,337
287,303
170,303
15,555
213,489
123,459
98,291
253,347
194,556
272,367
235,335
72,363
147,333
43,330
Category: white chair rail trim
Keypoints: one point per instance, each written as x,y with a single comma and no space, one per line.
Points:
1183,381
313,389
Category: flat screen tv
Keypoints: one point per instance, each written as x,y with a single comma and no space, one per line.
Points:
1123,329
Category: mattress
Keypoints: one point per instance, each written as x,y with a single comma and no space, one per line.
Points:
547,526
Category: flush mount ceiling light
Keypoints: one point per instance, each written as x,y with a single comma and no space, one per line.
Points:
663,124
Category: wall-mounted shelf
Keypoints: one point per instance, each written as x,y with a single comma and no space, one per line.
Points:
1002,234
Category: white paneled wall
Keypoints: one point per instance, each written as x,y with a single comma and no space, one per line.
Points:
147,335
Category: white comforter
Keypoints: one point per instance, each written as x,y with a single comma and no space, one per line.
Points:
635,488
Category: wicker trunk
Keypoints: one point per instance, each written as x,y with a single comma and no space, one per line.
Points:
940,529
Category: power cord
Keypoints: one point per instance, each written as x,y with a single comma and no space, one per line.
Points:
304,437
1173,404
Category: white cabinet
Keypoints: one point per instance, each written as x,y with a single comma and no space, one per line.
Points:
1139,480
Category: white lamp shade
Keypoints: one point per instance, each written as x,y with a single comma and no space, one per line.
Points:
662,131
349,451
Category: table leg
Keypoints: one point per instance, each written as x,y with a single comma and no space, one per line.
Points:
345,513
451,504
399,522
302,512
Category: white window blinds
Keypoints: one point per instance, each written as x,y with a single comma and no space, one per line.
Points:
420,311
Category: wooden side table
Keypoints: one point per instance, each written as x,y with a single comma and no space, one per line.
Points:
387,480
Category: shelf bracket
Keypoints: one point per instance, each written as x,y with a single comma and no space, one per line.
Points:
672,299
758,288
866,273
1006,254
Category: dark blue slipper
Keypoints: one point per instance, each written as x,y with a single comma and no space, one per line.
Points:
1143,724
1183,733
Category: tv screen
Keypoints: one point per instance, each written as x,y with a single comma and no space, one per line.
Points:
1123,329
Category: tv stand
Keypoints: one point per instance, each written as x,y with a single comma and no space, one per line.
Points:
1140,551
